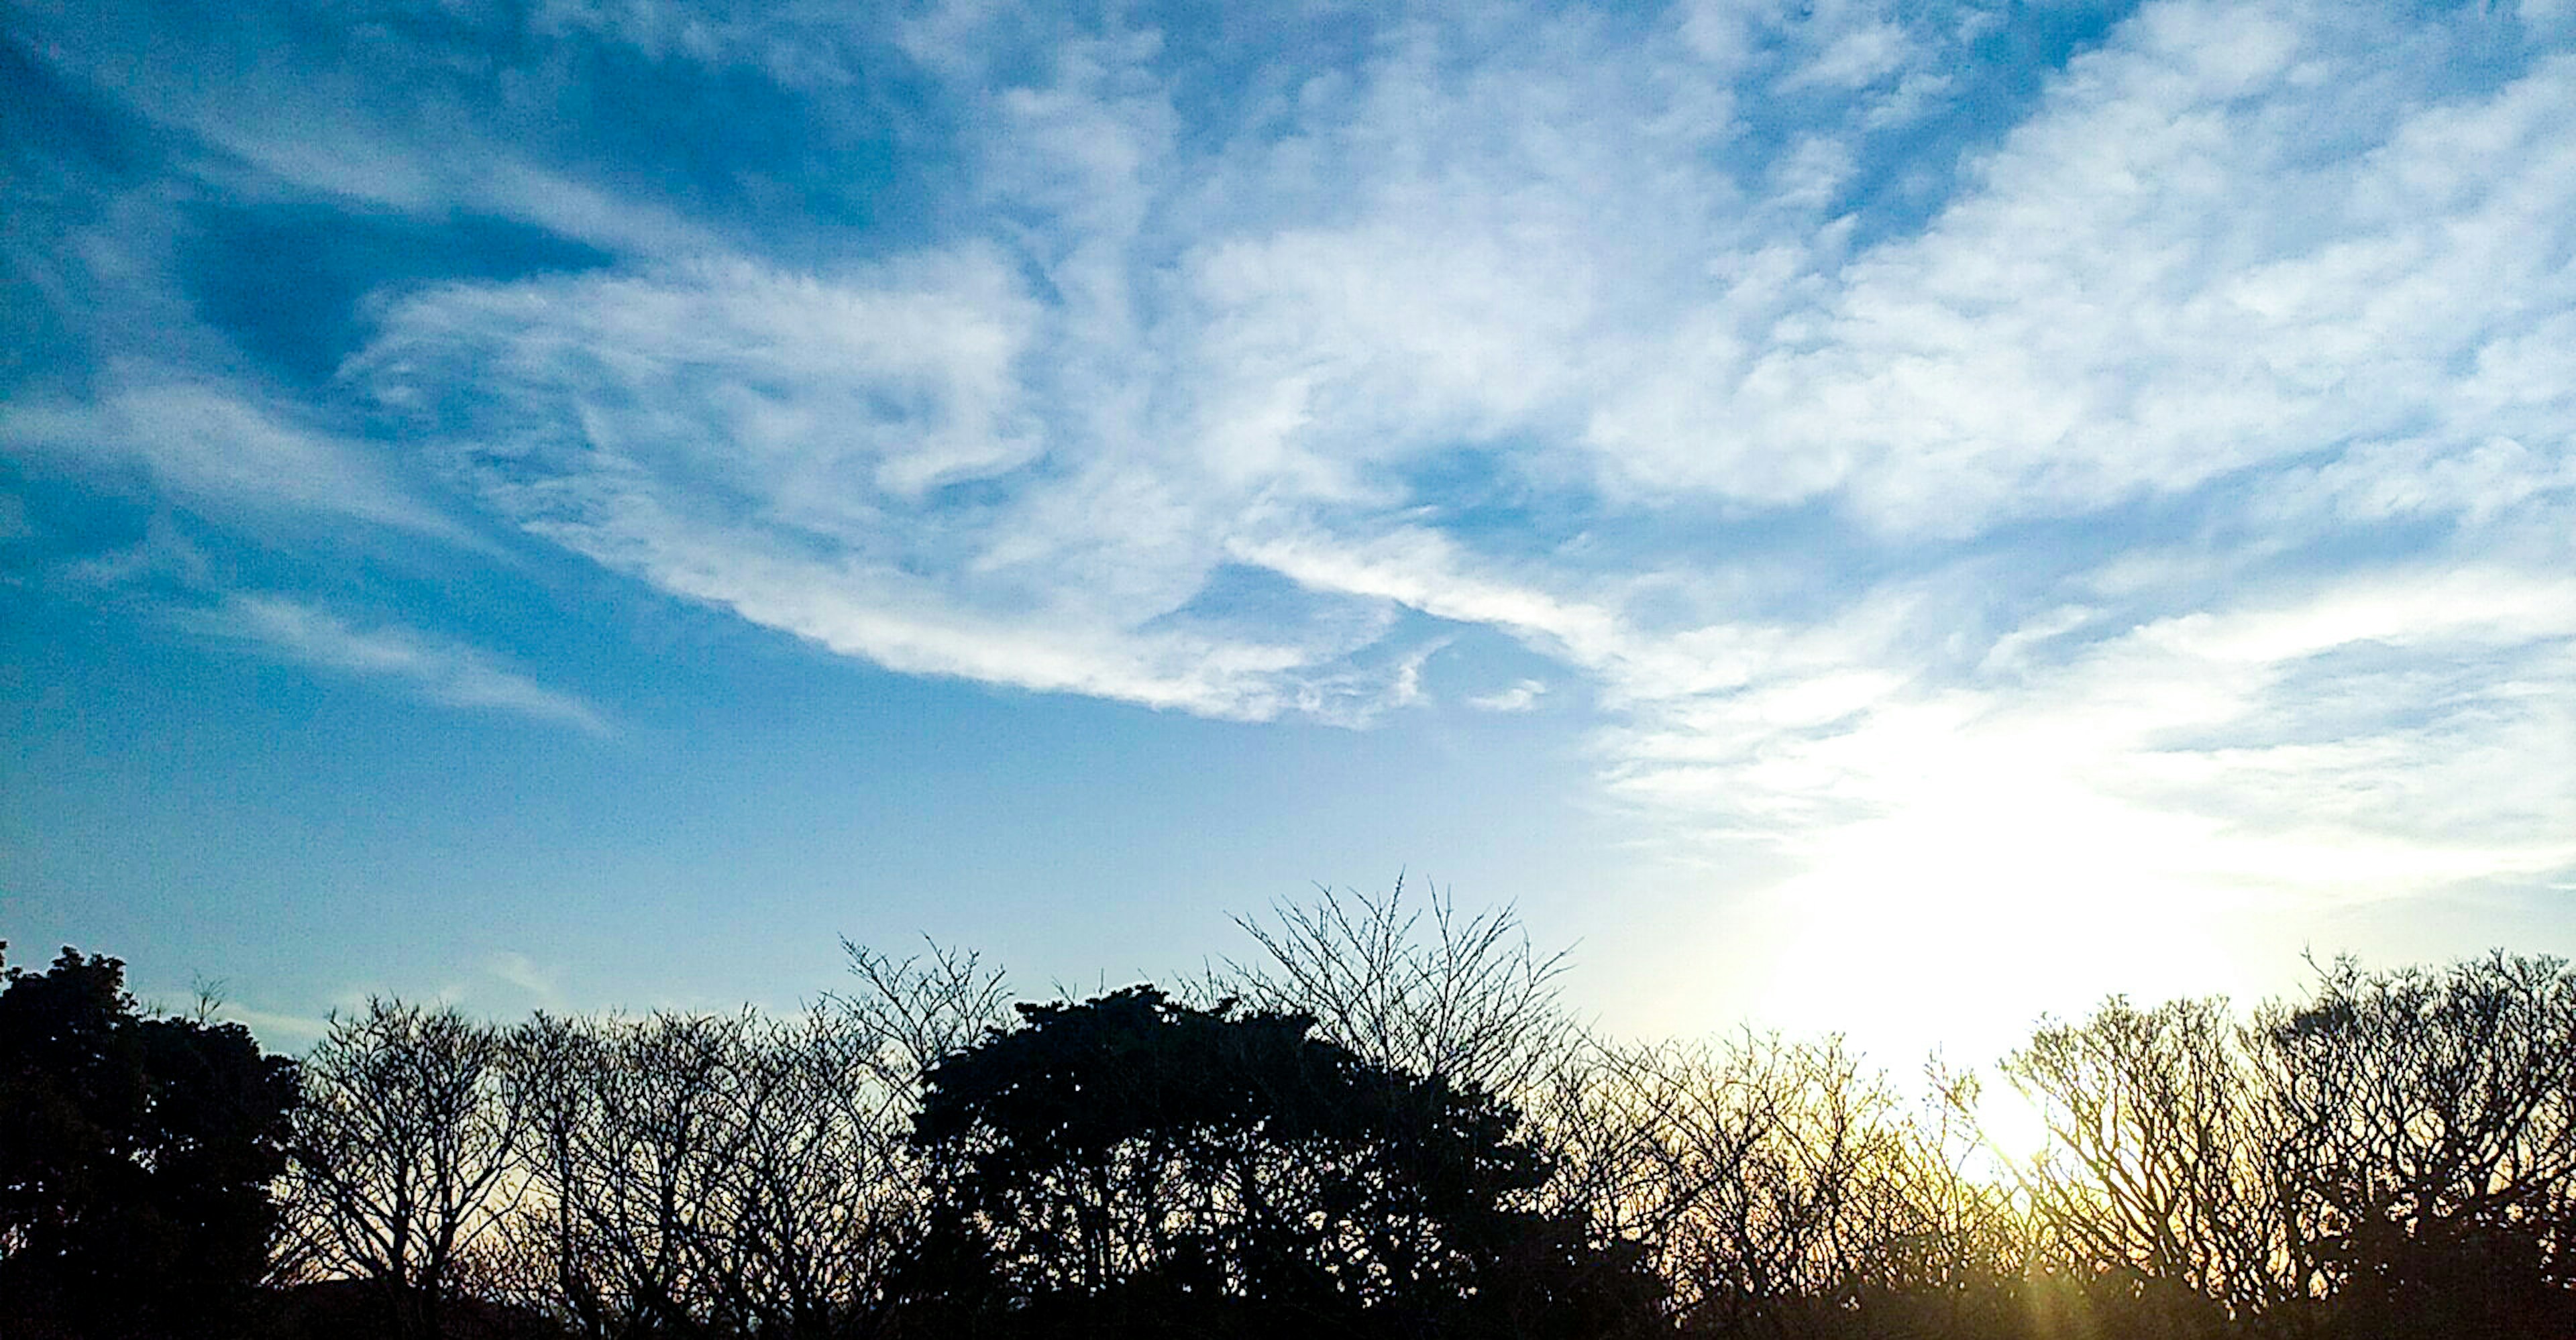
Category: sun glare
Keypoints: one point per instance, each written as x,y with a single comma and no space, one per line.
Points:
2013,1128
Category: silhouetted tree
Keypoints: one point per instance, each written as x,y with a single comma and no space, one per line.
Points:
711,1175
914,1012
1134,1166
2393,1156
1778,1188
404,1153
1422,988
2396,1156
2157,1166
732,1175
135,1158
2427,1131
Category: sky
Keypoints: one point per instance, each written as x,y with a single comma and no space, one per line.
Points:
1877,517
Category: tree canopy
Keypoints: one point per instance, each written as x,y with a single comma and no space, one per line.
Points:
1385,1141
135,1158
1131,1165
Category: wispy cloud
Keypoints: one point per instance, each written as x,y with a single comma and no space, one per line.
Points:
778,445
2133,811
2156,457
214,447
524,973
2226,242
289,1033
1520,697
448,673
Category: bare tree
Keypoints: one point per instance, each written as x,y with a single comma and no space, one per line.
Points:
2425,1125
1767,1180
914,1012
1817,1196
554,1258
2154,1163
667,1091
1661,1139
821,1191
718,1175
1429,989
2394,1155
405,1151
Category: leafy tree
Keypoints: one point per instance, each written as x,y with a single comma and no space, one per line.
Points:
1134,1166
135,1158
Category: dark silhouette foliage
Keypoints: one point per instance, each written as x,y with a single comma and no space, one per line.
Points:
1400,1135
1133,1166
135,1158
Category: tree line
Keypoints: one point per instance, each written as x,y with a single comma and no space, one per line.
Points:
1386,1122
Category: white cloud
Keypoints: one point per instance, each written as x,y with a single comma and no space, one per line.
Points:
380,121
2154,282
822,402
444,672
2206,712
518,970
765,442
2416,478
1996,513
2392,735
1427,571
2174,808
2180,497
1522,696
1856,58
213,447
289,1033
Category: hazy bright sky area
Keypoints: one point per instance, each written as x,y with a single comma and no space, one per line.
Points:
1889,517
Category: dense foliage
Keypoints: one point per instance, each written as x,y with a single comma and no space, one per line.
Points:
135,1160
1388,1127
1131,1165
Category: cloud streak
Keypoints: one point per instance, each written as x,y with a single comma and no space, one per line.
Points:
448,673
215,448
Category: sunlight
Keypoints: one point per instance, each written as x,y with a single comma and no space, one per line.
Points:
1956,921
2013,1127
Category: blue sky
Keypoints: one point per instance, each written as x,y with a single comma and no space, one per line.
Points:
1888,517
